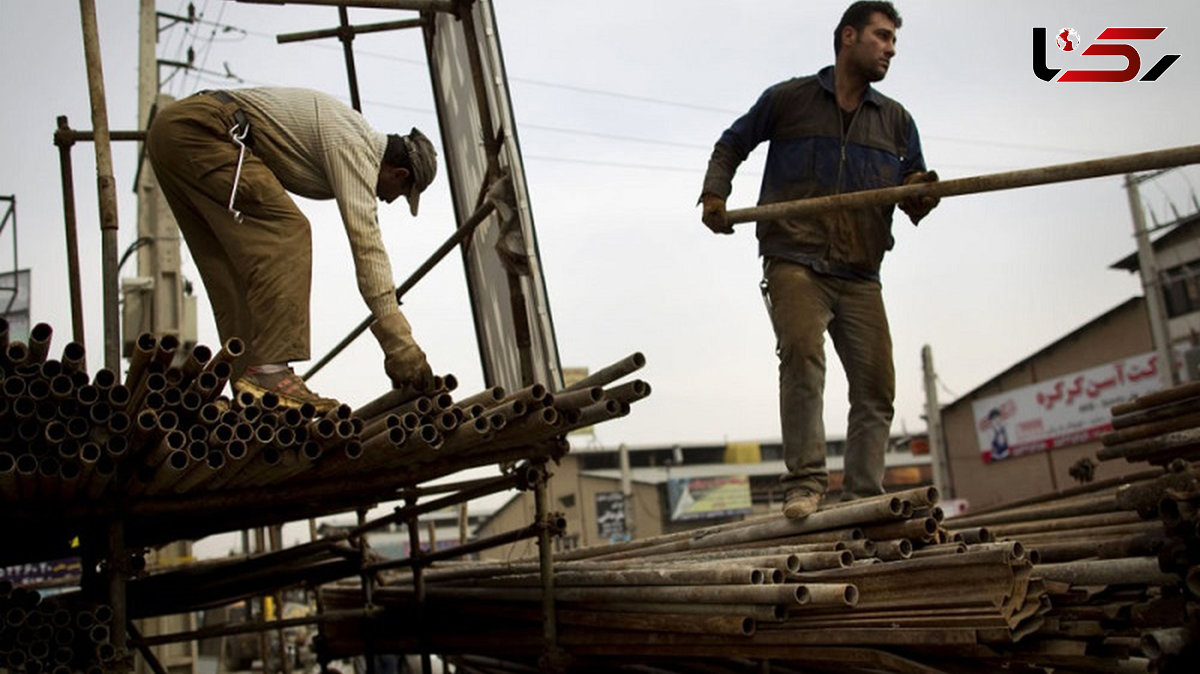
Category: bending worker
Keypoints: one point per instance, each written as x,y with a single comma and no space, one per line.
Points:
829,133
226,161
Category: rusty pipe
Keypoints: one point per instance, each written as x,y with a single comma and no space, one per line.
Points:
631,363
578,397
997,181
39,343
1131,570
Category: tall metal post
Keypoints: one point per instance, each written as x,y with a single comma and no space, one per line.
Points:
933,424
64,144
1148,269
117,563
418,572
346,35
546,557
105,185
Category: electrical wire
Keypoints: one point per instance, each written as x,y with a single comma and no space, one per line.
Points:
945,389
138,243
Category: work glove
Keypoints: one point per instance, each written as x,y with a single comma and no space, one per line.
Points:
918,207
713,214
403,361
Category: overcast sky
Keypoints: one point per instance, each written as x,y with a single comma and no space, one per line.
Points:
617,106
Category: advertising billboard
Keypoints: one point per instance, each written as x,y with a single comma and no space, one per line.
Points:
1060,412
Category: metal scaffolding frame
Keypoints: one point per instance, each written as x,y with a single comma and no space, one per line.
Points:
110,553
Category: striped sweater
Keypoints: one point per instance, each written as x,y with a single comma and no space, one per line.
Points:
320,148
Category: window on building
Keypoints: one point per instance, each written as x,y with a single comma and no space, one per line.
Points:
1181,289
566,542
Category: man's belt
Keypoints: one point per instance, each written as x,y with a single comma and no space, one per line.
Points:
221,95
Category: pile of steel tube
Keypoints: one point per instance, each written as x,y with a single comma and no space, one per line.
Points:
1155,428
1099,550
52,636
168,430
1100,577
879,573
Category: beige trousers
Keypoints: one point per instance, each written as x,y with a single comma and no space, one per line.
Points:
258,272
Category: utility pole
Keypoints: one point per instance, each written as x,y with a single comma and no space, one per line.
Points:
160,283
933,423
160,291
1151,287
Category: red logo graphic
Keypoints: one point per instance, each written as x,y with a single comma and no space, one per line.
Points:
1067,40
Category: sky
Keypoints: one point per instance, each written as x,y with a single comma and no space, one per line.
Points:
617,105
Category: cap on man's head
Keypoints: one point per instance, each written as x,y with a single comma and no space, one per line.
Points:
415,153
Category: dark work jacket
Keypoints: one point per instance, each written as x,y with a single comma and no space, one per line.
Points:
810,156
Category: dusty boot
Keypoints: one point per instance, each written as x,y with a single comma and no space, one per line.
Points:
403,361
286,384
800,503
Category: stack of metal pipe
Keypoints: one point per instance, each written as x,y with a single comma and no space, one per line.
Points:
53,636
870,574
1097,550
1155,428
1117,556
167,430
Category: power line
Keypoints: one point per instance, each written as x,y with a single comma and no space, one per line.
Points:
612,136
659,101
613,164
612,94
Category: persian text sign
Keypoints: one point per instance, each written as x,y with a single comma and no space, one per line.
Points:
1061,412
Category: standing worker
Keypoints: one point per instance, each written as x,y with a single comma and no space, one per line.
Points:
829,133
226,160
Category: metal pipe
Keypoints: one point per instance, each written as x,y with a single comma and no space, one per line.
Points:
39,342
105,183
1132,570
789,594
631,363
1095,168
1006,530
357,30
449,6
1168,410
1150,400
743,573
346,35
629,392
215,631
578,397
467,492
529,531
743,626
488,131
1149,429
64,143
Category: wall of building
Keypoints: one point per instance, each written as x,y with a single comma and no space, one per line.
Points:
574,495
1122,333
1185,249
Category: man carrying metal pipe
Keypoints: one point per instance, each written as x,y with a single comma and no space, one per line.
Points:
829,133
226,160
